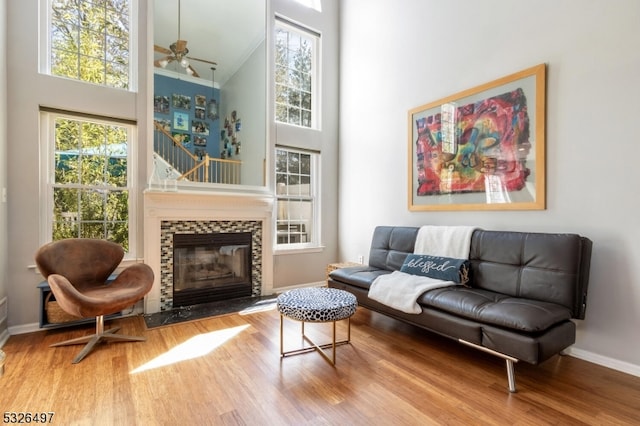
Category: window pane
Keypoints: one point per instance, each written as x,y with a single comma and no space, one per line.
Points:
281,113
306,82
90,41
64,37
294,221
117,204
281,161
65,64
281,93
294,79
92,230
93,157
294,76
117,75
65,205
294,115
305,164
295,192
91,205
306,100
65,229
64,16
306,118
117,172
305,185
294,181
116,49
92,70
118,232
294,162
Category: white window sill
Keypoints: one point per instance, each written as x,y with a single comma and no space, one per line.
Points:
297,250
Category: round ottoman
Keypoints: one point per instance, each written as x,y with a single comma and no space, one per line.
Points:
316,304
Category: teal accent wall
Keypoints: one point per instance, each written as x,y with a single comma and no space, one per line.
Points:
176,103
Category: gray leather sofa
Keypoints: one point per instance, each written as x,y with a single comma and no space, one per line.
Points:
525,290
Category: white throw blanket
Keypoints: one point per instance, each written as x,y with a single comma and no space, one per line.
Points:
401,291
445,241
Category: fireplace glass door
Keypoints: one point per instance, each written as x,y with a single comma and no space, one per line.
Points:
210,267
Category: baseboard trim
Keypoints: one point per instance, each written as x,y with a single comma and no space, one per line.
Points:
278,290
4,336
25,328
614,364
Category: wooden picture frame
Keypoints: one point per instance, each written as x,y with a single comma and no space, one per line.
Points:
482,148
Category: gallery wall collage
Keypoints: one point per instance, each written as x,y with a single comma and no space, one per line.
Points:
185,110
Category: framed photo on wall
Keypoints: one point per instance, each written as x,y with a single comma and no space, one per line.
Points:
161,104
181,101
180,121
481,149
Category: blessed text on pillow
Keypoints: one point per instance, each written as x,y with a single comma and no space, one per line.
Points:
441,268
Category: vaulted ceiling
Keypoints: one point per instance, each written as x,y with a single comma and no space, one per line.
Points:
221,31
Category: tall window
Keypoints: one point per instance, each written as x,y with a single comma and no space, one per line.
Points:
88,178
296,191
90,40
296,83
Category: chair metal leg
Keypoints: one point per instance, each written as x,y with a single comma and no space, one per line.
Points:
100,335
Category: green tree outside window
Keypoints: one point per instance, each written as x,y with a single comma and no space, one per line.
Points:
90,41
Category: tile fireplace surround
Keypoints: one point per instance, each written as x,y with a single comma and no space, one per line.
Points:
185,210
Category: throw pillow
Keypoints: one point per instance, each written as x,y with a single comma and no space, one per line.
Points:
441,268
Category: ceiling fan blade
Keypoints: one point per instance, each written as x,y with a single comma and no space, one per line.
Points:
202,60
161,49
195,73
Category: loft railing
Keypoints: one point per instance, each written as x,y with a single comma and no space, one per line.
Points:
192,167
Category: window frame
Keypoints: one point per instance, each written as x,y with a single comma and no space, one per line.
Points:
45,46
47,172
316,39
313,197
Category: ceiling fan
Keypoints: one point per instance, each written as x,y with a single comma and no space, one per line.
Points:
177,52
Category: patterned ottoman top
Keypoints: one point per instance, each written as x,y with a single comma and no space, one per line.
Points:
317,304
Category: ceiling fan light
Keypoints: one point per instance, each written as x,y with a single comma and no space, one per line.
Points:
189,71
163,63
184,62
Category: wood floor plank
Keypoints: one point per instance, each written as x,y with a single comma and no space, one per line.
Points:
228,371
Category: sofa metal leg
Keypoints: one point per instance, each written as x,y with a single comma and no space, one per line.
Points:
511,376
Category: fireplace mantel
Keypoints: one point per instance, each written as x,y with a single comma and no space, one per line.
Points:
197,205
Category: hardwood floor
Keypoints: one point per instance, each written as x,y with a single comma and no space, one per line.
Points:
228,371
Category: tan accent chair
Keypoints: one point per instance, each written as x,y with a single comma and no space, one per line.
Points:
78,269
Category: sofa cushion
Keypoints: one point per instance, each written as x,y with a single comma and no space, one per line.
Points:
390,245
359,276
546,267
497,309
438,267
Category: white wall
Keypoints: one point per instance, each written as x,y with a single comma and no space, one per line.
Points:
3,167
240,93
291,269
396,55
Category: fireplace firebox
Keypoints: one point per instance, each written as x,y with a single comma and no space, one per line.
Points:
211,267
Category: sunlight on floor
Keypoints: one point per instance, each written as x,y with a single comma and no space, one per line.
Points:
195,347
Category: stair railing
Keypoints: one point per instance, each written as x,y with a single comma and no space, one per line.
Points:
191,167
